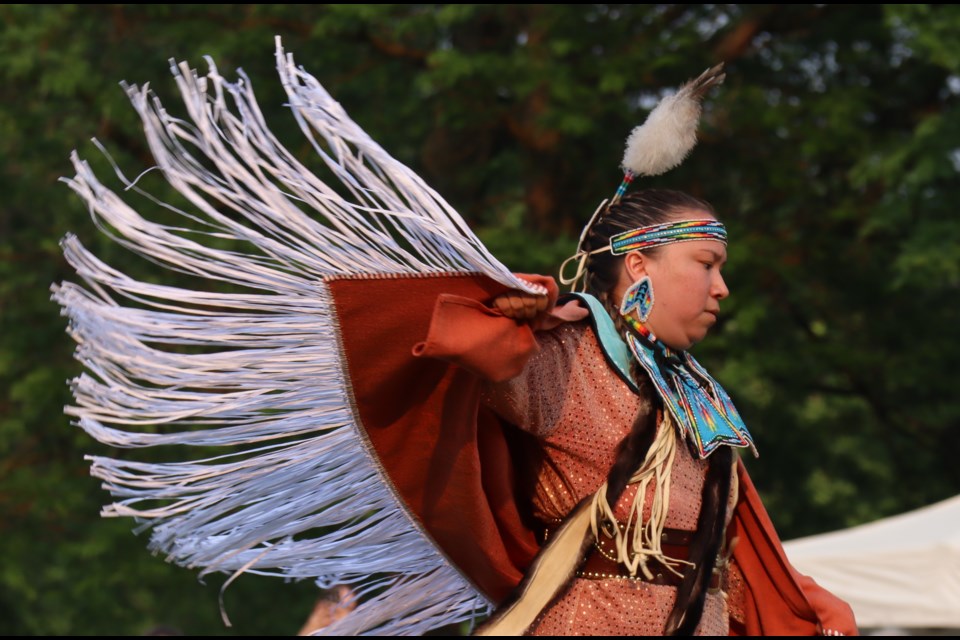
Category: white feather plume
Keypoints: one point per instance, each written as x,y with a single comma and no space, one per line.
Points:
670,131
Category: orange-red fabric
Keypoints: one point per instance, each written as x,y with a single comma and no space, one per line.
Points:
421,416
415,350
476,327
779,600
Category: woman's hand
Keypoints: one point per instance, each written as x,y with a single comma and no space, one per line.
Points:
520,305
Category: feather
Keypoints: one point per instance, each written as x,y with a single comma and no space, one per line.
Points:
670,130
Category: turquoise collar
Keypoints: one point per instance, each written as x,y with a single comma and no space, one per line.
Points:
698,404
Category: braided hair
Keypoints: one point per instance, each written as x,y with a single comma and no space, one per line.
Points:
640,209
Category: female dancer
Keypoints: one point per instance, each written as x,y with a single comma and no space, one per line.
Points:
643,450
354,453
583,412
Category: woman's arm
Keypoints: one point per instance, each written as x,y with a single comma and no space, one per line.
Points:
524,372
486,341
535,398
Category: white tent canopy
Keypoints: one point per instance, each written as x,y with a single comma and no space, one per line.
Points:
903,571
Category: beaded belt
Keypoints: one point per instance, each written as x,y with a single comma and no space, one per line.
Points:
675,543
597,567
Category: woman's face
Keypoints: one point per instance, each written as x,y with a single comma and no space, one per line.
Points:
687,288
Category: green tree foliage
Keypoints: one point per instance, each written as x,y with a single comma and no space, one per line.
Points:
832,152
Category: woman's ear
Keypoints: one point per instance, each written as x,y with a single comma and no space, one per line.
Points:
636,265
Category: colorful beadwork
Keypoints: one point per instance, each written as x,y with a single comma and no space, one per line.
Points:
622,189
642,330
640,297
696,401
657,234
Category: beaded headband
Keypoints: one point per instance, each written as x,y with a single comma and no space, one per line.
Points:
646,237
667,232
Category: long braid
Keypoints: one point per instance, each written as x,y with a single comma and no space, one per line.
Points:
602,275
603,272
633,449
603,269
705,546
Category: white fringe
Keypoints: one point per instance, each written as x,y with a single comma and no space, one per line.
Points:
295,493
640,540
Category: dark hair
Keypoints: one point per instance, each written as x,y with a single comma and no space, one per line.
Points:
641,209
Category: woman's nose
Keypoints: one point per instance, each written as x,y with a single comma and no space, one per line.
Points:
720,290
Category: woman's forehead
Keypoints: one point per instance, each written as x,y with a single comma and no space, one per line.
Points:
716,249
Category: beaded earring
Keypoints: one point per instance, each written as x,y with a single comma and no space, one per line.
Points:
640,297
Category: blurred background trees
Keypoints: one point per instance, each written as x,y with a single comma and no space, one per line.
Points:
832,152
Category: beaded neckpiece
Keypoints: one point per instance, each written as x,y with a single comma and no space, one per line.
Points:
701,408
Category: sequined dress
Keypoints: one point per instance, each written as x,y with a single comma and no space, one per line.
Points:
579,409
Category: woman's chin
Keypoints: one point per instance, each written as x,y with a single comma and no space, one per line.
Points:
692,339
680,345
